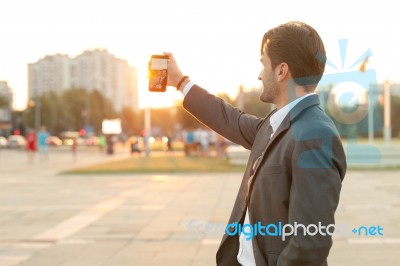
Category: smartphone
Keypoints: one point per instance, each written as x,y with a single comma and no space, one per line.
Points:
158,72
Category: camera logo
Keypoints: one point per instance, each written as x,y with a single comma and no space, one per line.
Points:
350,97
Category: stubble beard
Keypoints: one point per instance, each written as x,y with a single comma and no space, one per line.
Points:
270,92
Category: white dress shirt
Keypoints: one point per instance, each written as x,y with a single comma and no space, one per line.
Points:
187,88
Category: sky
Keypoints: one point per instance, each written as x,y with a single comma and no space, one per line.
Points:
215,42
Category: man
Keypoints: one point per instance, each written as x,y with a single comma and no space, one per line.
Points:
163,78
161,81
296,164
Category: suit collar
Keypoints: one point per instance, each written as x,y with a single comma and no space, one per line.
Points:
277,118
302,105
307,102
295,112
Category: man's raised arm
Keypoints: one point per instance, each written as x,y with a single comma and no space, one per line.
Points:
218,115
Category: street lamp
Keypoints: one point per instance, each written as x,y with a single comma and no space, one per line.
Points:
387,130
147,128
37,113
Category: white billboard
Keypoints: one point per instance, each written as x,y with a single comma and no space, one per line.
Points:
111,126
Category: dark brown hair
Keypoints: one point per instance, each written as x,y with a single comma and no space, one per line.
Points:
300,46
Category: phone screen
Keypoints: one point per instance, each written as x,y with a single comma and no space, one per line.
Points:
158,73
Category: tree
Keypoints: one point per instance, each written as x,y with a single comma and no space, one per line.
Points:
72,110
395,109
131,122
224,96
99,108
254,106
51,112
185,119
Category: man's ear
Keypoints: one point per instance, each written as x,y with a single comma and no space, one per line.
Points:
282,71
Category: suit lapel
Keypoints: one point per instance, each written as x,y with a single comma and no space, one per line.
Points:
285,125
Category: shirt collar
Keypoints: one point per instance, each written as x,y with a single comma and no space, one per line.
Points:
276,119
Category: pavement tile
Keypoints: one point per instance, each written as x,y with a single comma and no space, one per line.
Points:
118,220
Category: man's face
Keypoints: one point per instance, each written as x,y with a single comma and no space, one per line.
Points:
267,76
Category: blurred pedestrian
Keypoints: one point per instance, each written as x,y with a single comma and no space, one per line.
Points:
221,146
189,142
169,143
102,143
168,140
43,145
204,141
134,145
31,145
110,145
74,149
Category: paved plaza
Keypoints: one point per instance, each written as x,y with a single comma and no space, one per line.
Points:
50,219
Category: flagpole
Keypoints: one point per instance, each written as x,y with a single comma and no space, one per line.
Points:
370,116
147,129
371,104
387,131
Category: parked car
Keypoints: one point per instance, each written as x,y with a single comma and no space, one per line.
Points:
3,142
16,141
68,137
54,141
92,141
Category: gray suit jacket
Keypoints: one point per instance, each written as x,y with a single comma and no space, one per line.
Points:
298,180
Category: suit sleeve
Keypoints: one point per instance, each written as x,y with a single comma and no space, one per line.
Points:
221,117
318,167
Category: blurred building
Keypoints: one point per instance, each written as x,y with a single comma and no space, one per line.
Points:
394,88
91,70
5,109
50,73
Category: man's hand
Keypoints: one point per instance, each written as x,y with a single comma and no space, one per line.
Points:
174,73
